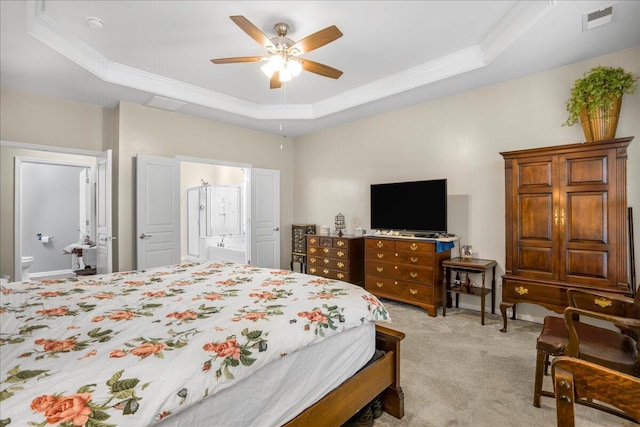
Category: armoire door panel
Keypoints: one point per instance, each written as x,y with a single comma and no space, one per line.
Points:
586,217
534,174
535,259
593,264
535,216
592,170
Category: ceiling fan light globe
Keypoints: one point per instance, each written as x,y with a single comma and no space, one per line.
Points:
268,69
285,75
277,62
294,67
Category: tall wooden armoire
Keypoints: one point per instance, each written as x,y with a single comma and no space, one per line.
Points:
566,210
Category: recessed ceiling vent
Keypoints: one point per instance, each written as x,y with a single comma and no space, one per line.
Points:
597,18
164,103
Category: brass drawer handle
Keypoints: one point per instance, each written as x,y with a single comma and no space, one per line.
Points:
312,270
379,269
379,244
325,250
340,254
603,302
413,291
379,284
340,243
312,241
414,259
380,256
326,261
340,276
312,260
312,250
413,247
340,264
325,271
413,275
522,290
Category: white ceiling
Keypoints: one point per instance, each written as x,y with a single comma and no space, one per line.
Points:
393,53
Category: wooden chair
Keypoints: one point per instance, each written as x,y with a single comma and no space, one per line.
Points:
617,350
578,380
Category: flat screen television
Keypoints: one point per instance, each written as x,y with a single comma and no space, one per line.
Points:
416,206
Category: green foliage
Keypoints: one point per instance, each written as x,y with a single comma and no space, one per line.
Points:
600,87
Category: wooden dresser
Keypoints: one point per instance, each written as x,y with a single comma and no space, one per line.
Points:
336,257
406,270
565,218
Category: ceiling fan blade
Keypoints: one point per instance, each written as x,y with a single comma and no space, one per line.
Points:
275,82
315,40
253,31
236,59
321,69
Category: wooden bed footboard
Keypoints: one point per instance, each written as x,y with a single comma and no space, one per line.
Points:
381,376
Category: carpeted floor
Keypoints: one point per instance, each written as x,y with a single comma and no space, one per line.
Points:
456,372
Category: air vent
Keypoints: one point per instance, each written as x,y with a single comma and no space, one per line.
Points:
164,103
597,18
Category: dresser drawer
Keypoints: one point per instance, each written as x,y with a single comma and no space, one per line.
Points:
418,258
380,244
399,289
412,273
313,240
415,247
329,273
534,292
380,255
336,264
329,252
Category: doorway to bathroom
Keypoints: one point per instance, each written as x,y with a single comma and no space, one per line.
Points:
213,213
62,211
161,213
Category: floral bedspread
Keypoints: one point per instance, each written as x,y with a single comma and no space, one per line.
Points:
129,349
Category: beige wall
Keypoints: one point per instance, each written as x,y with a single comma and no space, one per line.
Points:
43,121
150,131
459,138
130,129
36,119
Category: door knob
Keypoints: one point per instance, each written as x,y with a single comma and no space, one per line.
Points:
276,228
145,236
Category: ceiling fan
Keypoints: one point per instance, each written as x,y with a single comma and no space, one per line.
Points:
283,61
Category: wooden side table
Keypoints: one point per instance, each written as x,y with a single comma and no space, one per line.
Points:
472,265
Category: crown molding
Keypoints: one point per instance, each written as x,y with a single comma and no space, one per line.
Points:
521,18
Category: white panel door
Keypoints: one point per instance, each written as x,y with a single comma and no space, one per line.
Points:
265,218
158,211
85,211
104,230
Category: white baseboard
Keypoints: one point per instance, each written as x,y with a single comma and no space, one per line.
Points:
57,274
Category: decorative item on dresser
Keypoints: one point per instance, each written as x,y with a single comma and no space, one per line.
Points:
336,257
406,270
565,223
299,244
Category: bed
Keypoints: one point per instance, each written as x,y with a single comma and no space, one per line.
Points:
219,344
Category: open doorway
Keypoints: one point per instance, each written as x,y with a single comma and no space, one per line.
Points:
54,209
213,212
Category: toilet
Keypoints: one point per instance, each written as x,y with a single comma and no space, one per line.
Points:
26,263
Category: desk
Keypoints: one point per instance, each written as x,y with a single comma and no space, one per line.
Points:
472,265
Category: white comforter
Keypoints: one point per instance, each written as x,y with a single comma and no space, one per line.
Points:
133,348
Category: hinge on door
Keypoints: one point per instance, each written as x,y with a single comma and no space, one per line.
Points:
87,222
87,180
